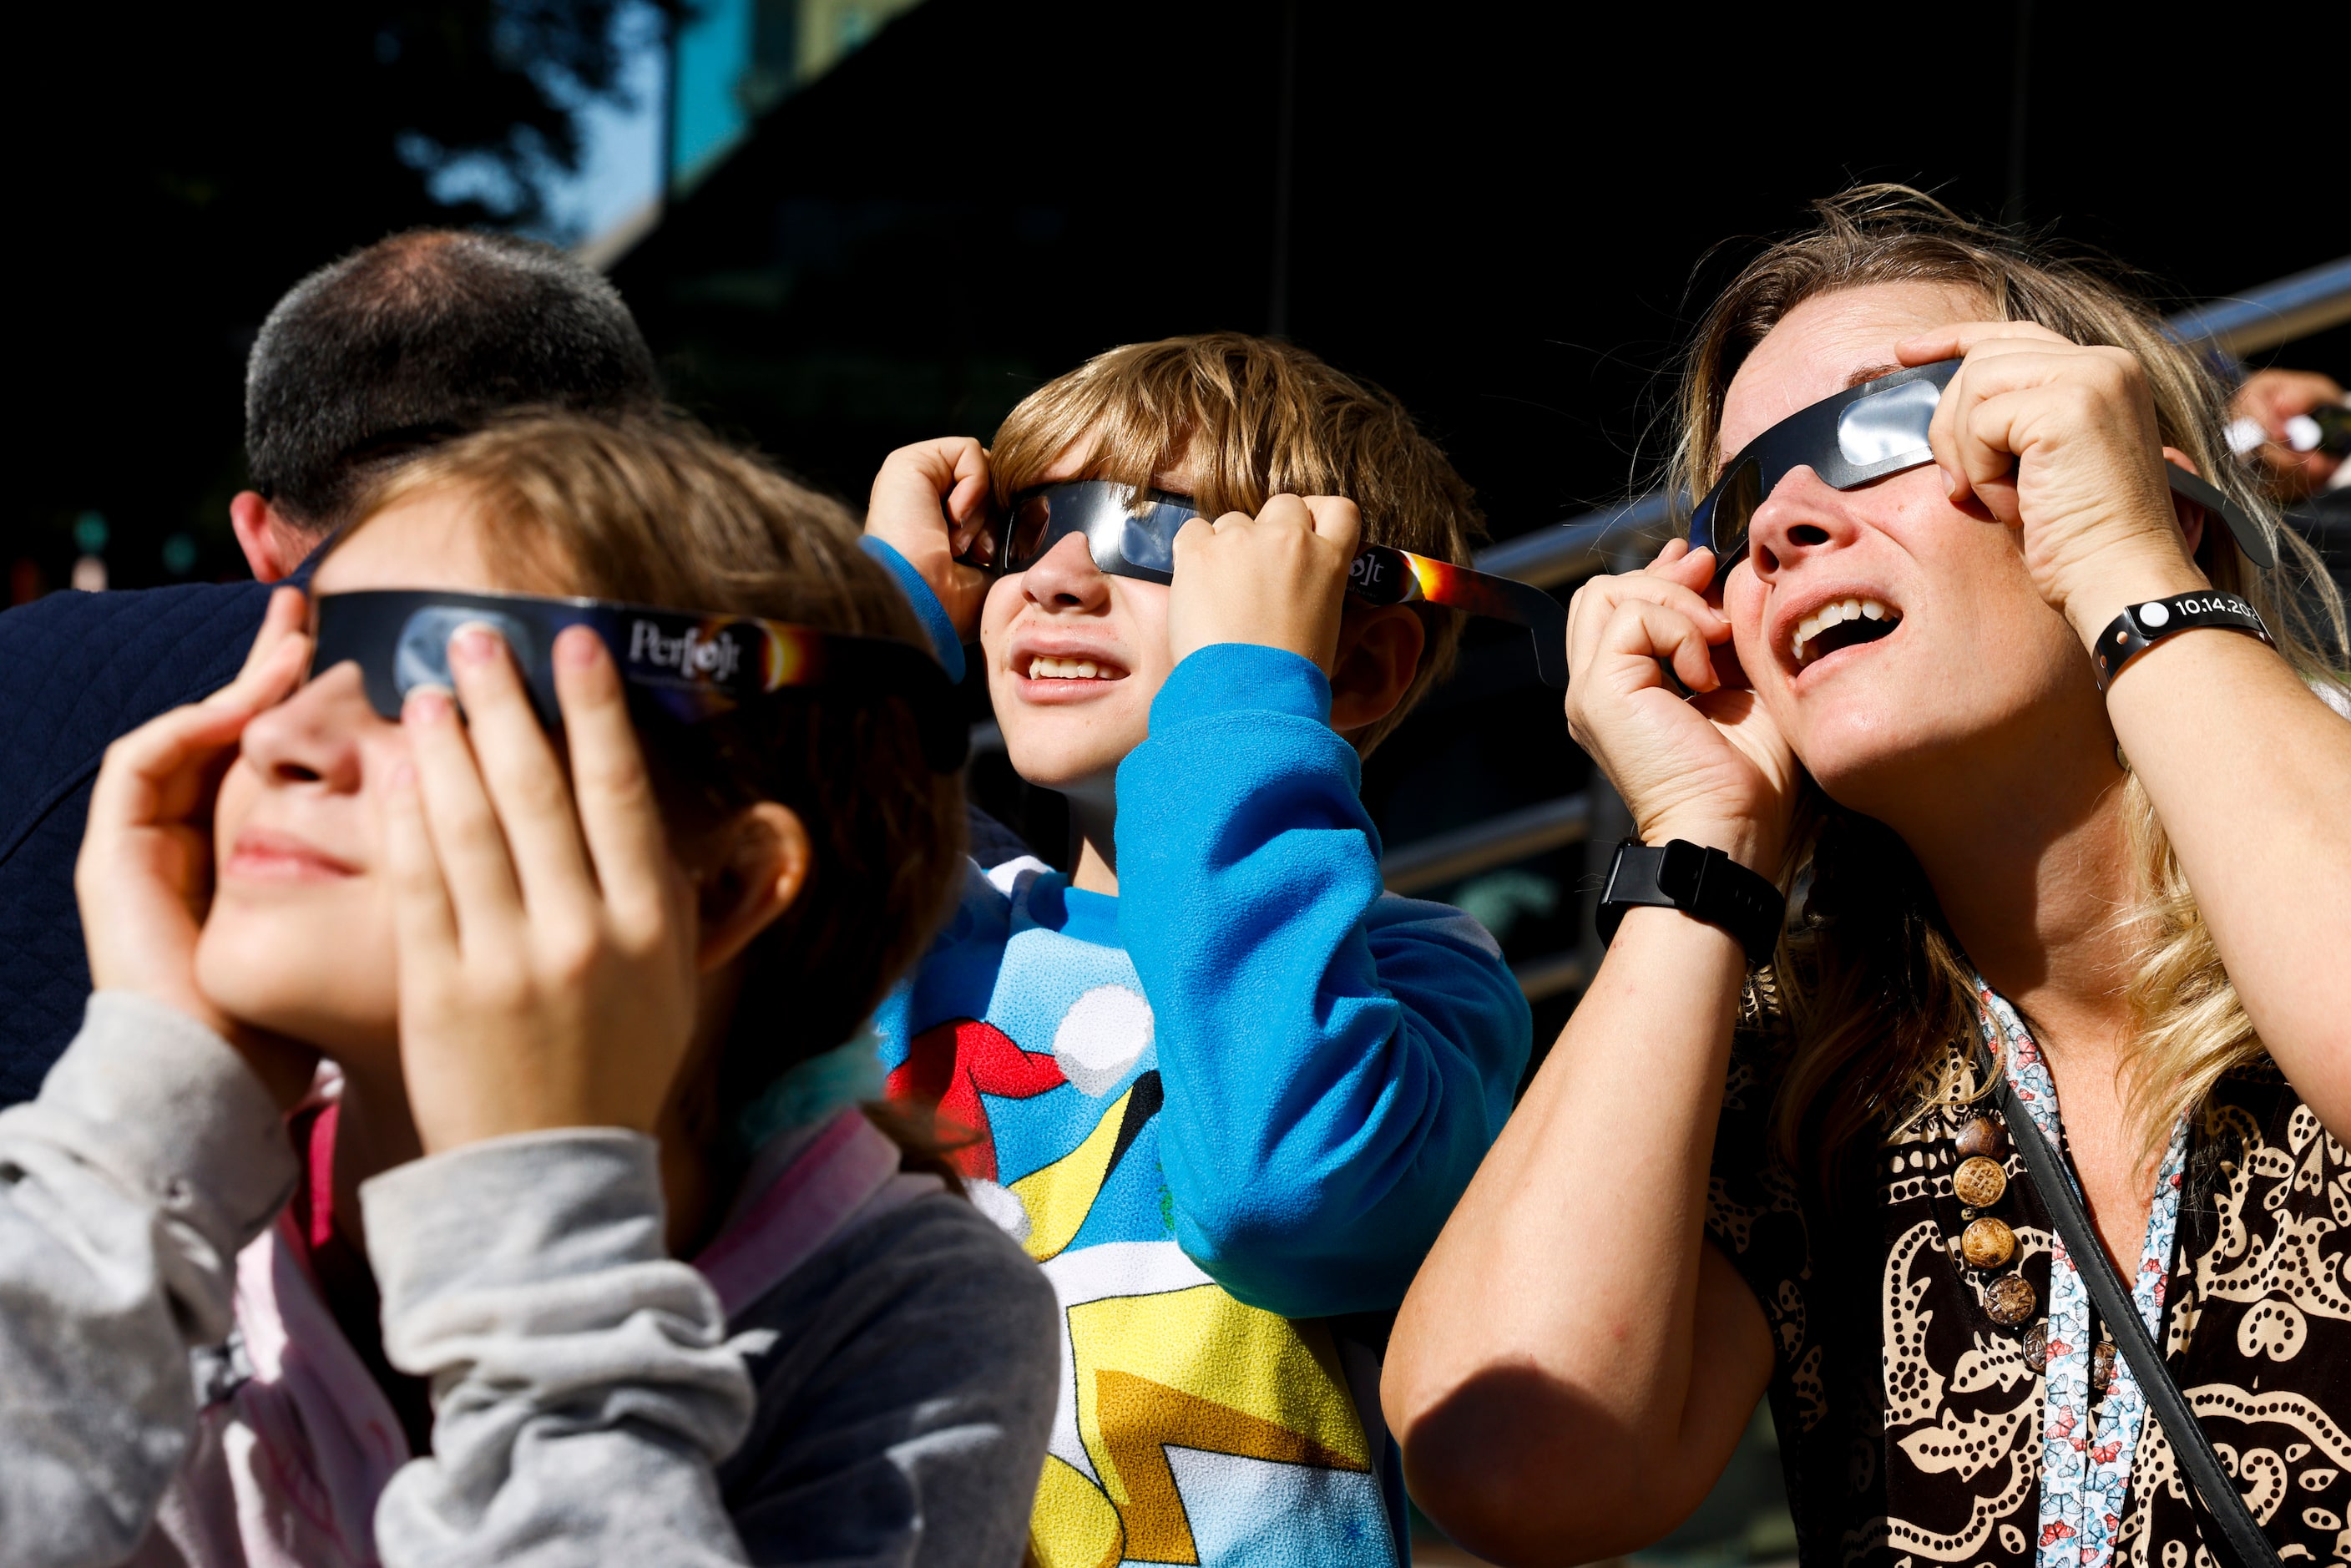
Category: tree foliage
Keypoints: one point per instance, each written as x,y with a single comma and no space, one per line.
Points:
184,164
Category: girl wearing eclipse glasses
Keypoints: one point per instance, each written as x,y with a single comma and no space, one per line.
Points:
1970,1069
588,1251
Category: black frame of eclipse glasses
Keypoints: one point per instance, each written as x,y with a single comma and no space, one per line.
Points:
1131,536
1866,432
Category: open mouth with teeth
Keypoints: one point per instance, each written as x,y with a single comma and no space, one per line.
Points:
1841,623
1044,669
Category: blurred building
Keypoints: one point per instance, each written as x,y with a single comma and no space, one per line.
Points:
734,60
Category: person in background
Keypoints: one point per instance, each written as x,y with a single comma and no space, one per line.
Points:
1769,1154
2293,426
589,1252
2262,414
1222,1086
417,338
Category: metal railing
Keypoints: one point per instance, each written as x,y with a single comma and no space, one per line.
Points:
1549,558
2273,314
1512,836
2244,323
1615,536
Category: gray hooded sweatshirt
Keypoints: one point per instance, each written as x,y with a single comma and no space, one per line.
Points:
858,1370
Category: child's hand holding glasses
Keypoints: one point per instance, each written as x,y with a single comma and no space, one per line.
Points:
144,876
549,964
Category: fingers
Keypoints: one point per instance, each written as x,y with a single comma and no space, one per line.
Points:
1196,533
1992,350
1277,579
1332,518
618,811
518,769
1336,519
1595,604
275,666
288,614
423,921
1959,442
1693,569
160,770
463,828
1645,634
965,480
950,472
1961,338
2014,389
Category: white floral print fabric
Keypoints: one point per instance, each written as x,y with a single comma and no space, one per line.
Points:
2086,1444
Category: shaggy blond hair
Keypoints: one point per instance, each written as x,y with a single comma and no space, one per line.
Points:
1868,995
1262,418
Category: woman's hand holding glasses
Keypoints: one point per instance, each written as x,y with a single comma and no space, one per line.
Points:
1712,768
2059,441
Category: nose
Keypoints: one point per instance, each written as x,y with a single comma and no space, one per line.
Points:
1802,517
314,737
1065,578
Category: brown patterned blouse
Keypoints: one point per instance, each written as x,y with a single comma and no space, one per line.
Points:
1910,1420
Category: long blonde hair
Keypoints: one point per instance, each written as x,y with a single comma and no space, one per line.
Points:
1868,995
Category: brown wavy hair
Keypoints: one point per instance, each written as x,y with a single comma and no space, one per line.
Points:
658,511
1264,418
1869,1000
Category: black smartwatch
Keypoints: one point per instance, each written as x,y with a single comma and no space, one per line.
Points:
1702,882
2141,626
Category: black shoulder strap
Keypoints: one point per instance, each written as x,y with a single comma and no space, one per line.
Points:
2231,1532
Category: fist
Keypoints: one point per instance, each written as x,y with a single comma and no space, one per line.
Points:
1277,579
928,501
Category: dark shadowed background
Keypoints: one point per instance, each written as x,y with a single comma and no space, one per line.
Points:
1506,214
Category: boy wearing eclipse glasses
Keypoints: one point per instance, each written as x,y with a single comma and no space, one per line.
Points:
1222,1087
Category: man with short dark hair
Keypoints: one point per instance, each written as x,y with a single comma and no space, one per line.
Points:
415,339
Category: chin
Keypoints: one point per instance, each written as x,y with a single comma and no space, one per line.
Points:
1048,764
1878,761
278,980
1064,747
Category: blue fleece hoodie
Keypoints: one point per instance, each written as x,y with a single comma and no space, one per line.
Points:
1227,1111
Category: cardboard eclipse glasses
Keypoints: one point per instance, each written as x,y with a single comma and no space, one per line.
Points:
685,664
1131,535
1866,432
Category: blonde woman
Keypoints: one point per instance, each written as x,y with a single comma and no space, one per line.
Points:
1770,1165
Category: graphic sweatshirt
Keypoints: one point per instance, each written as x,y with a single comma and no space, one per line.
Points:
1228,1111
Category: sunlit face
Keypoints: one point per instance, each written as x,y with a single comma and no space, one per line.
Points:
1075,656
299,936
1976,657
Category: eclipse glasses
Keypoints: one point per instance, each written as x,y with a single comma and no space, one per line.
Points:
1134,535
688,666
1866,432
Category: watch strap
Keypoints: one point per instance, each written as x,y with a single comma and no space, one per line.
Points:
1702,882
2141,626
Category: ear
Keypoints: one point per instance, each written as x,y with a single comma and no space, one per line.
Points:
273,547
757,864
2190,515
1379,655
